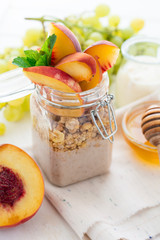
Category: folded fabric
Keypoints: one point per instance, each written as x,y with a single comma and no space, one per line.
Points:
124,203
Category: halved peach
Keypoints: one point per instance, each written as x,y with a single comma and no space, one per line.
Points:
53,78
105,52
66,42
80,66
94,81
21,186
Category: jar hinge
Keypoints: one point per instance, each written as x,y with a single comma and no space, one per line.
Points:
94,114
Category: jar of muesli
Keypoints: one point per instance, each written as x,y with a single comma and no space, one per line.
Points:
73,132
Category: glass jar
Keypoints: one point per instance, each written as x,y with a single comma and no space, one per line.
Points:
73,132
131,125
140,73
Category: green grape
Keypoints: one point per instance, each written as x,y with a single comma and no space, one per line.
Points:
26,104
2,129
119,59
88,43
110,74
96,36
7,51
71,19
117,40
16,102
33,37
116,32
2,105
11,66
3,66
79,34
1,56
91,21
115,69
114,21
14,53
127,33
13,114
137,24
102,10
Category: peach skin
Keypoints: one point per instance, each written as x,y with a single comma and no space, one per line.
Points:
105,52
94,81
66,42
80,66
21,186
53,78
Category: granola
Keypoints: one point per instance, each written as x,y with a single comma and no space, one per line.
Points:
68,133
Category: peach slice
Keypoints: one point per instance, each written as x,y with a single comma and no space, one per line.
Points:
53,78
80,66
105,52
21,186
94,81
66,42
76,101
69,101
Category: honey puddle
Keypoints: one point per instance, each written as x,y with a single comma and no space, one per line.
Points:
138,142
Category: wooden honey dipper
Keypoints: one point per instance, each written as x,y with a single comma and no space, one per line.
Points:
151,126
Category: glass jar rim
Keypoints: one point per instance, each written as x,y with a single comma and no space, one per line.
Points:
89,97
139,39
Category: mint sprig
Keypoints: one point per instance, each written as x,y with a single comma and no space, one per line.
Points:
37,58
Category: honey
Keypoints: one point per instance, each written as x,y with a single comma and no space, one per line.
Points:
131,125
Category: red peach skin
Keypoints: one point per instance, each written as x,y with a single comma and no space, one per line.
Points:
80,66
66,42
105,52
94,81
53,78
26,194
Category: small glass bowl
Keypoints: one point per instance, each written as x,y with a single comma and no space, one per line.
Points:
131,125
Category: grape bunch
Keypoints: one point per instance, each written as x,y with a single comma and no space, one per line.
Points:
88,27
14,111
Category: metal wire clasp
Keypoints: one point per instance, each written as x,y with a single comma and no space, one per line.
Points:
94,114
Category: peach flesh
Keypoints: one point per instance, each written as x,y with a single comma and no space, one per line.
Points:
80,66
105,52
66,42
11,187
52,77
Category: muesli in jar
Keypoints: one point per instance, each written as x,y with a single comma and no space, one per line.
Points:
72,115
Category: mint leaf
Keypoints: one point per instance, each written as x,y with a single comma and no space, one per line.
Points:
42,61
32,54
48,47
37,58
22,62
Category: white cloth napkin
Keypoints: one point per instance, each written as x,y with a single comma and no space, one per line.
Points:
125,203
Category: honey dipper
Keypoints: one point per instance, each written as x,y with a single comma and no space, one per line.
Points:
151,126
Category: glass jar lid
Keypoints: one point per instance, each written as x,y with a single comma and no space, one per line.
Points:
13,85
142,46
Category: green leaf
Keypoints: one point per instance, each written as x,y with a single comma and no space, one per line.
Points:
48,47
32,54
32,61
35,58
42,61
22,62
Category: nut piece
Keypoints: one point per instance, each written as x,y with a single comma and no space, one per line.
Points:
60,127
86,126
72,124
56,136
